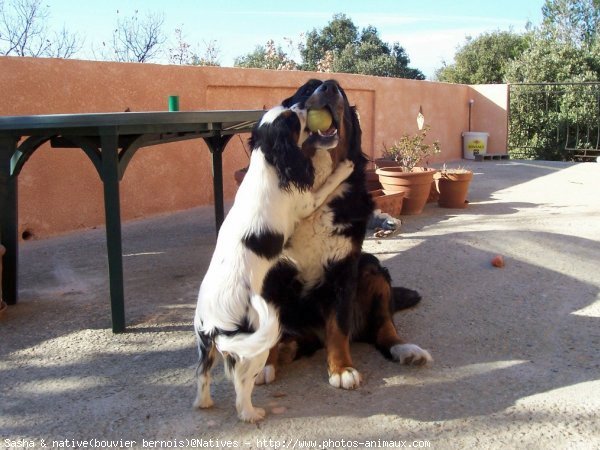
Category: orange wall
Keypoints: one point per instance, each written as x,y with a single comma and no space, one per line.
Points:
59,190
489,113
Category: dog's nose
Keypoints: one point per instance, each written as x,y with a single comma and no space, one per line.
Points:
328,87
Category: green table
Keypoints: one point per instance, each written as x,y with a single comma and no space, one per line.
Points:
110,140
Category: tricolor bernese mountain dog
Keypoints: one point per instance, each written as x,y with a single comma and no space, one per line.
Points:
276,193
328,291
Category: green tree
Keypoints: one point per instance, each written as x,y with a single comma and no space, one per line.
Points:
485,59
333,38
339,47
574,22
564,48
547,60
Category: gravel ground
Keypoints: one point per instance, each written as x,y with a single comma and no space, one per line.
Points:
517,349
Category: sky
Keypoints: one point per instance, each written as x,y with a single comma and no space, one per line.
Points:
429,30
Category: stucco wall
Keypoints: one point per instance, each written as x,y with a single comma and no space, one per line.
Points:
59,191
490,113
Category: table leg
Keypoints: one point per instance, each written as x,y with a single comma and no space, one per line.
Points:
9,234
112,206
216,145
217,166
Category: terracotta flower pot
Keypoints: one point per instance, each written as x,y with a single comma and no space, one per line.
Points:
416,186
453,188
388,203
385,162
372,180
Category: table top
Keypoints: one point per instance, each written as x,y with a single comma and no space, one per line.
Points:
225,122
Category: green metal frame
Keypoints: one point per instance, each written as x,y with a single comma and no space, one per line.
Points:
110,140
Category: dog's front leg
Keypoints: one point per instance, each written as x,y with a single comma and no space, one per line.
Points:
244,375
342,171
342,374
339,362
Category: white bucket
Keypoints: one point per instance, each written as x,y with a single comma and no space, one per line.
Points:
474,143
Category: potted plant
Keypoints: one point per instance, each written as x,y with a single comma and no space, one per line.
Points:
453,187
406,175
388,203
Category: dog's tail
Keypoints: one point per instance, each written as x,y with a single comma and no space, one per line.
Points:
249,345
403,298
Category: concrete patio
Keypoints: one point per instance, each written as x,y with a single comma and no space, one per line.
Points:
517,349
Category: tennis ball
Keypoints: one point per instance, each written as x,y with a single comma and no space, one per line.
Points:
498,261
319,119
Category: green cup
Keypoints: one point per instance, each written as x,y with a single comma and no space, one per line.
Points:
173,103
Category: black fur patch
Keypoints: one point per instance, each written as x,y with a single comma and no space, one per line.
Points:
374,320
278,140
302,93
404,298
354,209
367,259
243,327
229,362
266,244
206,361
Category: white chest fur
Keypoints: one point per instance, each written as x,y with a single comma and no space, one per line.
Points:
313,244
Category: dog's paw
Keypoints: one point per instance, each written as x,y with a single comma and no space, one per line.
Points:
410,354
346,166
252,415
266,375
347,378
203,403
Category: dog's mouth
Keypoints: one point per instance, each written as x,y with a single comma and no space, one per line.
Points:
321,137
333,128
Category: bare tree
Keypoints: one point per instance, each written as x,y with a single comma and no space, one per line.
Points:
181,52
138,39
24,31
210,56
64,44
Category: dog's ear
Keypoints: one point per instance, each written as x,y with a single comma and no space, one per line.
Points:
293,168
254,139
356,138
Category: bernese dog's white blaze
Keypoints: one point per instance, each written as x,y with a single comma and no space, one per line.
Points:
276,193
410,354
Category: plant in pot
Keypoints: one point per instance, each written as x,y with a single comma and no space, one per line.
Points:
453,187
406,175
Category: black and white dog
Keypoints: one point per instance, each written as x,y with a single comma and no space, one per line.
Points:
276,193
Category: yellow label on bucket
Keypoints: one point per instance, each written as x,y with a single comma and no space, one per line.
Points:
476,145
